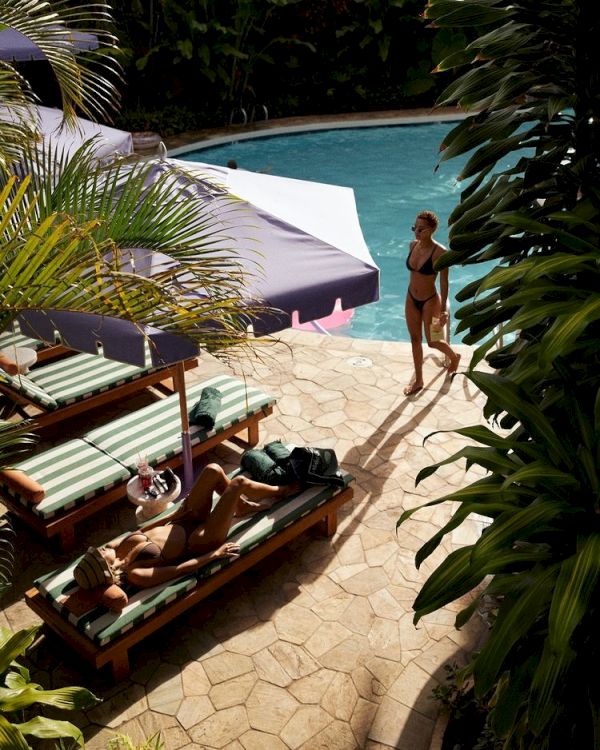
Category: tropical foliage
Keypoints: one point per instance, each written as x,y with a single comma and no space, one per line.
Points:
20,699
294,56
533,88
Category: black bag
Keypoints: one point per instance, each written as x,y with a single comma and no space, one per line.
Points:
316,466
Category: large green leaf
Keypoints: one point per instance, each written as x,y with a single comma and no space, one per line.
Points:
14,644
515,618
10,737
45,728
70,698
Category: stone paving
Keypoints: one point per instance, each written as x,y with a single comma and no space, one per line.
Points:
314,647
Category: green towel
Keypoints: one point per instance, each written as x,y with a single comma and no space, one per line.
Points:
262,468
204,412
278,452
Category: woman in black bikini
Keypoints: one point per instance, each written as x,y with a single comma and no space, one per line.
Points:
423,303
185,541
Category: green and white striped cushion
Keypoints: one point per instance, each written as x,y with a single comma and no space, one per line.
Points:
30,390
8,339
71,474
155,430
103,626
83,375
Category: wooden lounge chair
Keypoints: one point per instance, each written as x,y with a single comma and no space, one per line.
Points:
104,637
86,474
67,387
45,353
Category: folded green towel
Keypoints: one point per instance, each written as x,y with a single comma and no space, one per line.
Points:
262,468
204,412
278,452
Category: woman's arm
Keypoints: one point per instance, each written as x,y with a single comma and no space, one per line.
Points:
154,576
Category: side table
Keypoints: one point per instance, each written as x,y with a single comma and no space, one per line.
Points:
148,507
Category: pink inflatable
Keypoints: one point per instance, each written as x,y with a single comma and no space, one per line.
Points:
337,318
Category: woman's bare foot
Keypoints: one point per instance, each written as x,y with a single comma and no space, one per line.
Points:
453,366
413,388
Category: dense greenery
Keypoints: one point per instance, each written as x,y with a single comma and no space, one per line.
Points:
533,83
210,58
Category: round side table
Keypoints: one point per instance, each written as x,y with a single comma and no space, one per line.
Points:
147,507
23,356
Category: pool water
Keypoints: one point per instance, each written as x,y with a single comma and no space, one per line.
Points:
392,171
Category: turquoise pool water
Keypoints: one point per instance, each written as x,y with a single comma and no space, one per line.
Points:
392,171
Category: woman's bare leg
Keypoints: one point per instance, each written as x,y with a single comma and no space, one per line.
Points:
199,502
414,324
432,310
213,532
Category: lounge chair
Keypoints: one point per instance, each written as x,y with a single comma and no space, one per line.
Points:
104,637
84,475
10,339
62,389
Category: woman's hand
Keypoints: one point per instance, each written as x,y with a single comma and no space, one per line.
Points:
444,317
229,549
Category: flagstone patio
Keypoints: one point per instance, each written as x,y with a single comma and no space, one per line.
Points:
315,647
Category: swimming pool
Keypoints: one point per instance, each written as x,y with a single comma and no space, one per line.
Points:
391,169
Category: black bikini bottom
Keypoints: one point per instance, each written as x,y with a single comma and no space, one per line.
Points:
420,303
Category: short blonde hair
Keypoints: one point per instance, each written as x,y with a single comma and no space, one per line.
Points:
430,218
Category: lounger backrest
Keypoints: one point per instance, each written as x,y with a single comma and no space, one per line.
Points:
10,339
155,430
25,388
103,626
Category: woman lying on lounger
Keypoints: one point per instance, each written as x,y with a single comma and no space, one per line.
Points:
185,541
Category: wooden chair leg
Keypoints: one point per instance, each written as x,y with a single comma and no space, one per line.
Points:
67,539
120,666
329,524
253,434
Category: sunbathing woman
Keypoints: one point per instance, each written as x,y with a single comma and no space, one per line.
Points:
423,303
185,541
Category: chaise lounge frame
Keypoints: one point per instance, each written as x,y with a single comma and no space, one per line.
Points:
44,419
116,653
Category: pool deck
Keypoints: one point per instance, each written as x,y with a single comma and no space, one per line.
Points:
314,647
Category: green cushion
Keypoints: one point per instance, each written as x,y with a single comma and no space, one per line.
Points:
83,375
29,389
103,626
71,474
9,339
155,430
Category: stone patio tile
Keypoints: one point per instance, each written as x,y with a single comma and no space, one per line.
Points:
254,740
165,690
295,624
400,727
385,605
232,692
194,710
327,636
319,587
366,582
381,554
194,679
361,720
359,616
222,728
123,706
269,708
344,572
334,608
413,689
340,697
433,659
412,637
347,655
384,639
269,669
337,736
225,666
304,724
253,639
294,660
311,689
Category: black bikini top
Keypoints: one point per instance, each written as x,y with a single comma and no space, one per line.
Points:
427,267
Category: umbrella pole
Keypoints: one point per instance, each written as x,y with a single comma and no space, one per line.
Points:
186,443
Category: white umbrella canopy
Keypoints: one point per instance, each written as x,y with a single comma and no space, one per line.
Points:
297,244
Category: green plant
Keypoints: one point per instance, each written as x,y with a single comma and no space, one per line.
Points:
123,742
533,85
18,695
